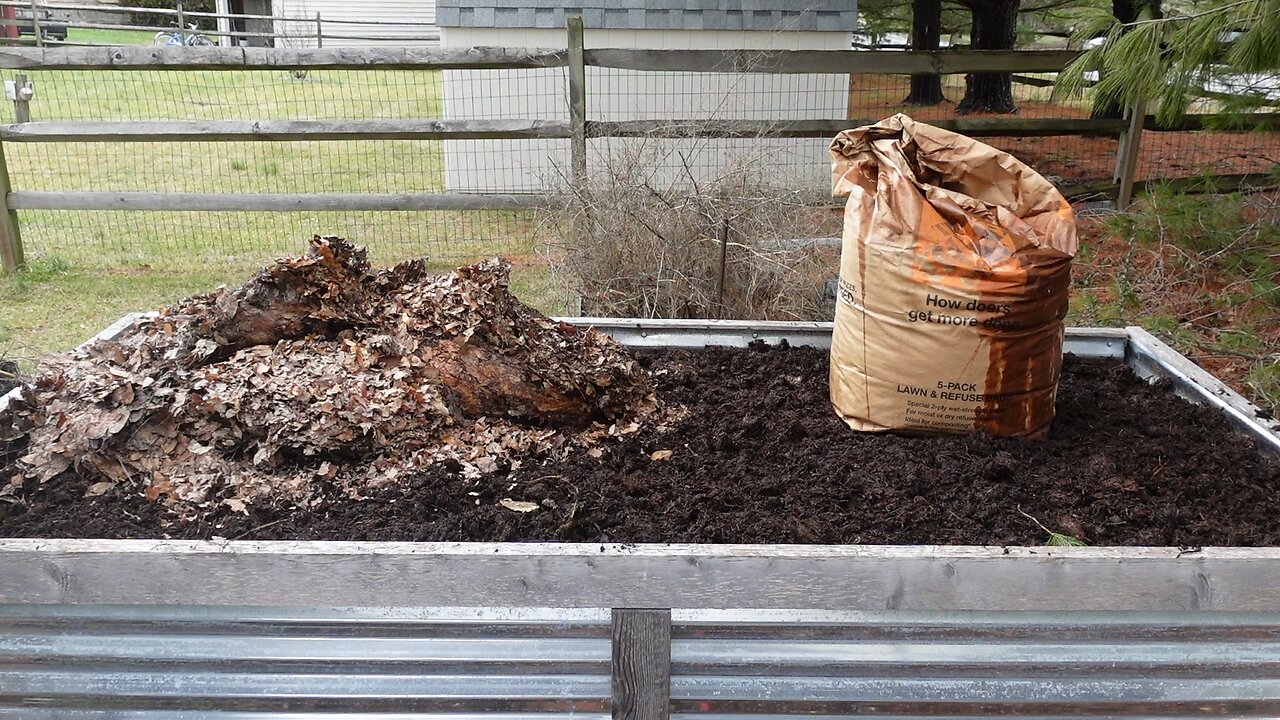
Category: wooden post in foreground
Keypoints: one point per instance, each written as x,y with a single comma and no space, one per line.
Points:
641,664
1127,155
11,254
12,257
577,102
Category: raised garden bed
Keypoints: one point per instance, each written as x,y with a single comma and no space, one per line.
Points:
760,458
756,456
469,628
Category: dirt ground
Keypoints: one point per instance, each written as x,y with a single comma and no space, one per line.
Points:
1163,155
761,458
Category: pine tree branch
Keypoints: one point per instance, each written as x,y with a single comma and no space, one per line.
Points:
1193,16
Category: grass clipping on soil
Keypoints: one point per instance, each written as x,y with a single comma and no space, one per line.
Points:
322,371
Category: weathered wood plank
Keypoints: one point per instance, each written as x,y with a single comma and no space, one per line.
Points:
1090,191
32,200
219,58
641,673
591,575
1218,122
976,127
12,256
1032,81
832,61
1127,157
577,100
237,130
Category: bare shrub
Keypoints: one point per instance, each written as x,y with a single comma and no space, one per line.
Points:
726,244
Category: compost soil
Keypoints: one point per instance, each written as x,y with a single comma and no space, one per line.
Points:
760,457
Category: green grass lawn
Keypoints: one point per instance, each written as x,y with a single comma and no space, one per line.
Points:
88,268
86,36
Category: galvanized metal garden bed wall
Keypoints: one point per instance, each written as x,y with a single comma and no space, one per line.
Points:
239,630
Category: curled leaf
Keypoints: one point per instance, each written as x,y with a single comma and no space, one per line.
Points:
159,488
661,455
99,488
518,505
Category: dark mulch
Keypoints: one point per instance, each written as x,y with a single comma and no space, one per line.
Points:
761,458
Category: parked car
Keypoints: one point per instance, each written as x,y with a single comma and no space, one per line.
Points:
50,28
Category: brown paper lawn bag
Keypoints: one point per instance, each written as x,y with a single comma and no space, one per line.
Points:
954,273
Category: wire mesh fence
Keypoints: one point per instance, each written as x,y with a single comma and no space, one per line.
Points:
625,95
299,167
799,167
239,240
1167,155
236,94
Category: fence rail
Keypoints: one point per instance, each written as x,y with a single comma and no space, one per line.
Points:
977,127
831,61
280,28
578,128
211,58
276,202
281,130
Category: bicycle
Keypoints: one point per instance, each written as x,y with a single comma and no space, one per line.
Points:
178,38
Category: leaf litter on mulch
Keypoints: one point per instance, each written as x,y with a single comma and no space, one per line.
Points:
321,371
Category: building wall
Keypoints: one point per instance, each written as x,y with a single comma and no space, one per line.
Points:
537,165
374,11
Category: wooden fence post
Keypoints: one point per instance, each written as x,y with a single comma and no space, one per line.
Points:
35,24
577,102
641,664
182,23
11,255
21,99
1127,154
319,32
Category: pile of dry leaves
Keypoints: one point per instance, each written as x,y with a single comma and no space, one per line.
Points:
322,371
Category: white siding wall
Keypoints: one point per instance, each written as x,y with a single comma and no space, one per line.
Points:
372,11
527,166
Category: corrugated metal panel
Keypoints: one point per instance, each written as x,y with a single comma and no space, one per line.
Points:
204,662
245,663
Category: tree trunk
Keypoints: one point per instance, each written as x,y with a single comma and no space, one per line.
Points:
926,36
993,27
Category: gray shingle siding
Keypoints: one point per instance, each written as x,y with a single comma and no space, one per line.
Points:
760,15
